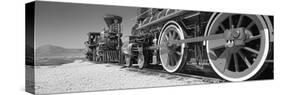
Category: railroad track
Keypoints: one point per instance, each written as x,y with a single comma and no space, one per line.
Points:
204,76
201,77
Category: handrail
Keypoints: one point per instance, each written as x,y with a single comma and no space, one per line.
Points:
162,19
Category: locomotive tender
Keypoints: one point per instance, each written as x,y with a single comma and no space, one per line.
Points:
237,46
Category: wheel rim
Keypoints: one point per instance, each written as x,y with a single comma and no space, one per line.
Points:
238,63
171,55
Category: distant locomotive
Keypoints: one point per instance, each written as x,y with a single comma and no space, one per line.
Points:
237,46
91,46
106,45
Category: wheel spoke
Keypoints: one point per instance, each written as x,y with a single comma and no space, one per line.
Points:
230,21
174,35
172,59
251,50
250,25
222,62
170,35
177,56
228,59
177,36
244,59
253,38
236,63
168,60
240,21
222,27
167,38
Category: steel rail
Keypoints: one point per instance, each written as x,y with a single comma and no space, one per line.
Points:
204,78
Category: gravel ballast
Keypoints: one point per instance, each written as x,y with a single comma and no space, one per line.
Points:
87,76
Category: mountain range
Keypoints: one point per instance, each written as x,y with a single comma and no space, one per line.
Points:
57,51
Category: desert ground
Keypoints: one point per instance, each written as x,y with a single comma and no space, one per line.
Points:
88,76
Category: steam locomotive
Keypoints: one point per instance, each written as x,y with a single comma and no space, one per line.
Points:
238,47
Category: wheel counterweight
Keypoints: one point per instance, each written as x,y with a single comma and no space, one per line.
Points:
240,55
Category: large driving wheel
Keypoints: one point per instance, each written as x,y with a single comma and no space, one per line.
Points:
240,55
172,55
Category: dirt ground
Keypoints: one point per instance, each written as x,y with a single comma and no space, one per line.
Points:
86,76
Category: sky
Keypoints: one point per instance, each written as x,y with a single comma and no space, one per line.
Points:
67,24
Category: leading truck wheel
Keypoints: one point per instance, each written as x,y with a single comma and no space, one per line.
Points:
141,61
172,55
240,55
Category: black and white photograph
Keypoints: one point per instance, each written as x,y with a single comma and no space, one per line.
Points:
75,47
